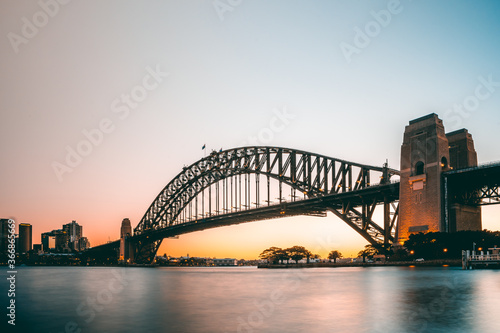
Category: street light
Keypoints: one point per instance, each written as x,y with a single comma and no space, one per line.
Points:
445,250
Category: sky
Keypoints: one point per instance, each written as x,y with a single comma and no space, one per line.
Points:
139,87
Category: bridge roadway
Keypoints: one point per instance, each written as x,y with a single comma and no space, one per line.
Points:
477,185
318,206
474,186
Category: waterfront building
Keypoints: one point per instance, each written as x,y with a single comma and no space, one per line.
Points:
55,240
74,232
25,238
83,244
37,248
4,233
69,238
48,241
225,262
62,240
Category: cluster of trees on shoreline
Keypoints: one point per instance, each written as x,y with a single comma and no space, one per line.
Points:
277,255
442,245
430,246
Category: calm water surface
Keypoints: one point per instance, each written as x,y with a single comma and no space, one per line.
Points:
247,299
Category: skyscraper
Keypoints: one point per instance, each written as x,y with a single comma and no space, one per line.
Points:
25,236
83,244
74,232
4,232
48,241
69,238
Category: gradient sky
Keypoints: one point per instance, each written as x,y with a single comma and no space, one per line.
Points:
226,79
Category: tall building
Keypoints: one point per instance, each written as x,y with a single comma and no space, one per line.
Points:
25,237
82,244
48,241
426,153
37,248
74,232
55,240
69,238
4,233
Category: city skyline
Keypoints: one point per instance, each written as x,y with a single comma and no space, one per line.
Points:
94,137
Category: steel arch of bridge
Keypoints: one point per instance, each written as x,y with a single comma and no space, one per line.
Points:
313,175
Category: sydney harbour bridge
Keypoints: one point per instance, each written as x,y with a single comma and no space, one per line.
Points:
258,183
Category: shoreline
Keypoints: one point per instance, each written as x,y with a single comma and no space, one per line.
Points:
429,263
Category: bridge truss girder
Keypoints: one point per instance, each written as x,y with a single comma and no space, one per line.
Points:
475,186
309,174
486,195
361,220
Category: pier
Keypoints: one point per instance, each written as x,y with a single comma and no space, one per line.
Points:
481,260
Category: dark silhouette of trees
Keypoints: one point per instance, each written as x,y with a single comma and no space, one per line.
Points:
277,255
272,254
441,245
297,253
368,252
334,255
282,255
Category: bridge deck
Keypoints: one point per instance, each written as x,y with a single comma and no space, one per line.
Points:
313,207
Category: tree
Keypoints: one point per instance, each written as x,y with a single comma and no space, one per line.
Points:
440,245
369,252
334,255
308,255
271,254
282,255
297,253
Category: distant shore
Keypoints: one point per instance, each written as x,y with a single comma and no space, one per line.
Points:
429,263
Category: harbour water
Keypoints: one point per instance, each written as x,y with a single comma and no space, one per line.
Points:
247,299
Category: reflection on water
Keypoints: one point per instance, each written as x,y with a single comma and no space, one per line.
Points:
247,299
439,300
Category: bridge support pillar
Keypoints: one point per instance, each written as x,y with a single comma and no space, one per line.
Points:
424,156
425,200
127,249
462,155
387,221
